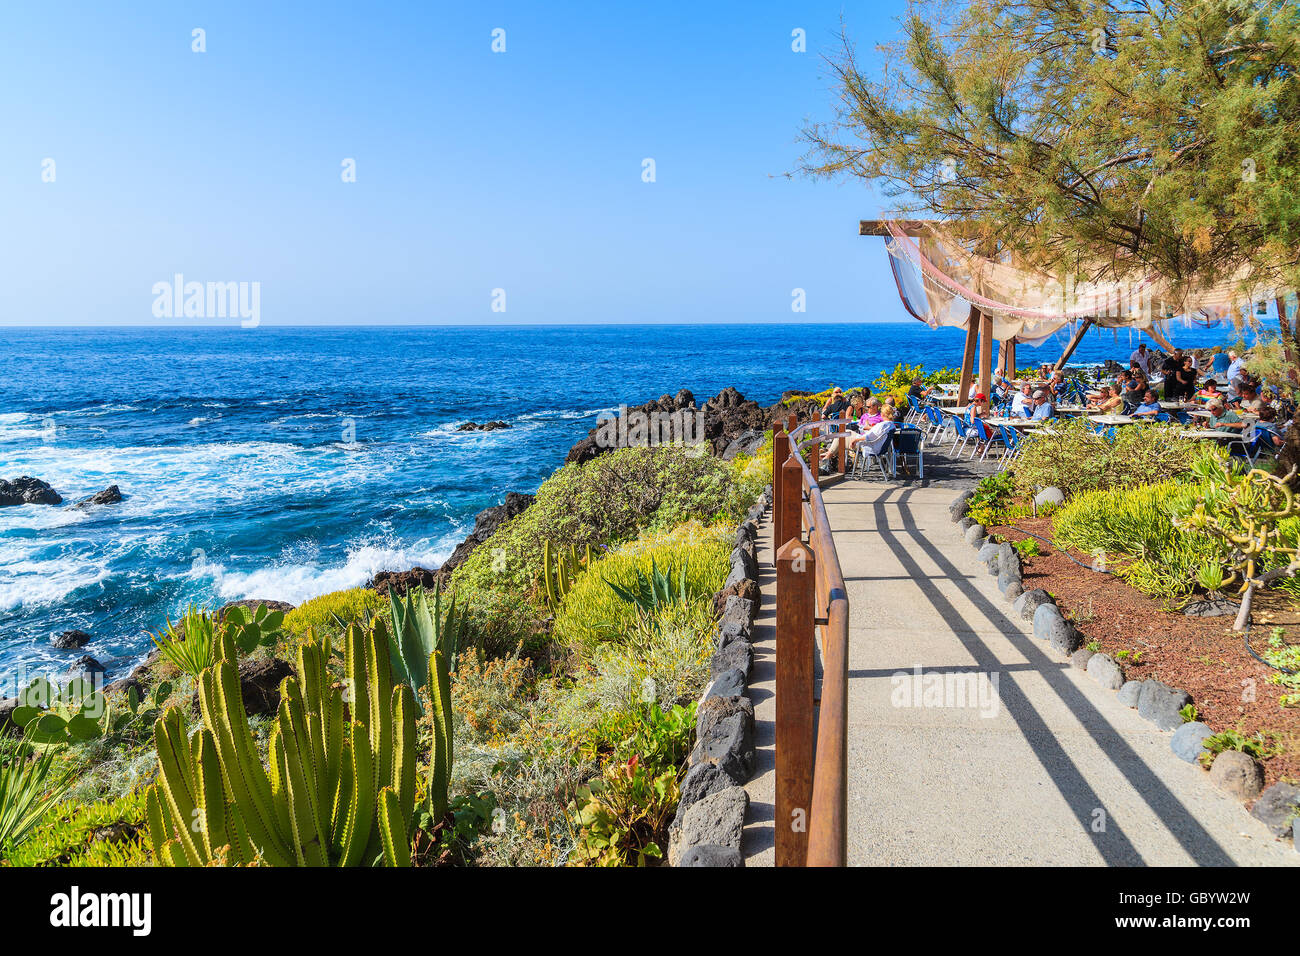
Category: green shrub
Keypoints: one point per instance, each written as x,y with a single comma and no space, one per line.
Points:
623,817
319,613
1137,523
593,613
1072,457
104,833
609,500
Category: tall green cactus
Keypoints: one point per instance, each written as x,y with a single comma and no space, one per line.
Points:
559,569
440,752
339,790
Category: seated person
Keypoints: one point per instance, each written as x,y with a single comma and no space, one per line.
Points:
918,391
1108,402
871,416
1043,407
1249,399
1056,385
836,405
1267,426
1150,406
1210,392
1224,418
1134,395
1022,406
874,439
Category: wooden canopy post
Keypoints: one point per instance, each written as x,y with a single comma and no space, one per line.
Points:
1084,326
968,356
986,358
1154,334
1007,358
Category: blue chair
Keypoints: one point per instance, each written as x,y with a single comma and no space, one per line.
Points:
863,458
963,435
908,444
985,437
1162,416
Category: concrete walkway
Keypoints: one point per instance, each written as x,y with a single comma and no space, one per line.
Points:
1046,768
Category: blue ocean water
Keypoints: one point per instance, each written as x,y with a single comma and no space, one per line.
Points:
283,463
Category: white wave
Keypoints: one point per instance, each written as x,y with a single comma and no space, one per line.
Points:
27,583
296,582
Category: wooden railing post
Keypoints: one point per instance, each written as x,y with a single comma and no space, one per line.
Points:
796,576
780,452
844,446
789,520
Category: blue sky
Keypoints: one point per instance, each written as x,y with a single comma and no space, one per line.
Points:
475,170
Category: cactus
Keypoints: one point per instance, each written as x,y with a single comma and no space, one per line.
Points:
53,717
440,753
336,791
559,569
418,632
1244,509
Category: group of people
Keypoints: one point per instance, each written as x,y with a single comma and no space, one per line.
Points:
871,421
1133,394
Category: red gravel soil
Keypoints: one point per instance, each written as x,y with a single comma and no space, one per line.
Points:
1203,656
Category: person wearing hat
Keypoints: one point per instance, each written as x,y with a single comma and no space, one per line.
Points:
1043,407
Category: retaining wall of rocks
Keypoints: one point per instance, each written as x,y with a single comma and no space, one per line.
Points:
1232,771
711,814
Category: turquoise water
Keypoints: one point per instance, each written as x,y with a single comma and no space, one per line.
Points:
283,463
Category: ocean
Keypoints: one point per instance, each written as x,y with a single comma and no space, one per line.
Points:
283,463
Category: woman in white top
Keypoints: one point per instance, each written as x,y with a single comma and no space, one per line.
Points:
875,436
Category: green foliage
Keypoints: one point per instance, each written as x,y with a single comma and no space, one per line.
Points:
594,612
251,630
325,612
1256,746
418,632
1243,511
1075,459
1286,658
606,501
340,791
1089,141
661,739
190,645
1028,547
1189,713
623,817
51,716
657,589
29,787
1138,524
103,833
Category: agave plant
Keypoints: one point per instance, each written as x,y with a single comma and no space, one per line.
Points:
655,590
28,788
418,632
190,644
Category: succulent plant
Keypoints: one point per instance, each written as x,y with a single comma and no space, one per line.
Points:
53,716
559,569
418,632
339,790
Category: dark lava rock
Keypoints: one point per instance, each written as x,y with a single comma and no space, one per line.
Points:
259,685
1277,807
1160,704
746,589
402,581
86,666
485,525
124,686
7,706
711,855
1214,607
70,640
251,605
482,427
109,496
28,491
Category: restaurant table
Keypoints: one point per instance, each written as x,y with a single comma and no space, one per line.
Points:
1112,419
1210,433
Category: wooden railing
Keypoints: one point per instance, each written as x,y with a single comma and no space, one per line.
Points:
811,765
